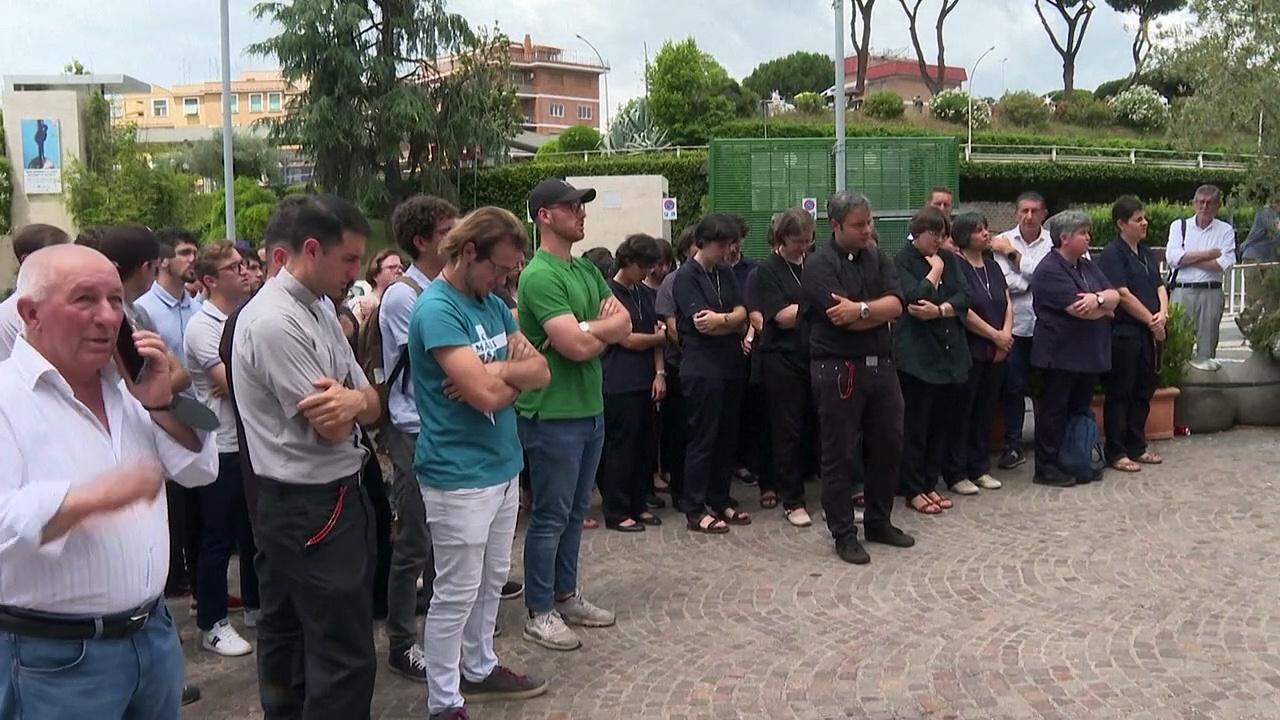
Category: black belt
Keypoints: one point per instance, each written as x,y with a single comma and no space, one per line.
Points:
50,626
299,488
1199,285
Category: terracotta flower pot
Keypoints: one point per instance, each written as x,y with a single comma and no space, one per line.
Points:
1159,420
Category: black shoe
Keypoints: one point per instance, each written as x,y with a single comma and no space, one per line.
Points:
1053,477
634,527
851,551
190,694
888,535
511,590
456,713
408,662
1011,459
653,502
502,684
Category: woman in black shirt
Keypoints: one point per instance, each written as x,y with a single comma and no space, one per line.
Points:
989,323
633,381
932,355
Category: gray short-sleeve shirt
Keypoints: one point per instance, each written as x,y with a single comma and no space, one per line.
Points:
200,350
286,338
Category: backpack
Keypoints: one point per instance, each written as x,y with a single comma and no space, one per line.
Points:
1082,453
370,354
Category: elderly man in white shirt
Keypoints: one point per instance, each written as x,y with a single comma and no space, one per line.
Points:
26,241
1019,252
1200,250
83,535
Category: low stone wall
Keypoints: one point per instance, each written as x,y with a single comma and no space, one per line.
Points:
1245,393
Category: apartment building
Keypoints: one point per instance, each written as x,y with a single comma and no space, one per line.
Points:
255,95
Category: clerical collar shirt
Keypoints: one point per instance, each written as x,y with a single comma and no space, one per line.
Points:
50,443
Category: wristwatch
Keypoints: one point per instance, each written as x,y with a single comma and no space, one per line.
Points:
584,326
864,311
1101,302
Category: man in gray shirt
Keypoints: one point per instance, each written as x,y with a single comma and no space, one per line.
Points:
300,394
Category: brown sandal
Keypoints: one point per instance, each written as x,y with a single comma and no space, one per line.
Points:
768,500
734,516
1149,458
923,505
1126,465
940,500
708,524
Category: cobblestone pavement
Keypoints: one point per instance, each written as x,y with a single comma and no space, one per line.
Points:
1147,597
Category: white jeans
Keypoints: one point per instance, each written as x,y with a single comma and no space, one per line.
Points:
471,534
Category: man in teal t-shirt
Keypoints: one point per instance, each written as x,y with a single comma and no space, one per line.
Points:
469,363
567,312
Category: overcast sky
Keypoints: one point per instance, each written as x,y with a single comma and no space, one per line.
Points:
174,41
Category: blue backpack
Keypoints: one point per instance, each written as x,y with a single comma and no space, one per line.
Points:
1082,453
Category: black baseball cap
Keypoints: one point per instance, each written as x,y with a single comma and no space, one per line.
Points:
554,191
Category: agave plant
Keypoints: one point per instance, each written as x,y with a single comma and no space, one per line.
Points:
632,130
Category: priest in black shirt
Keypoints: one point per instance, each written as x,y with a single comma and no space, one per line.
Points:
850,294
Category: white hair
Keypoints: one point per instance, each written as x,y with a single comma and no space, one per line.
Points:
41,271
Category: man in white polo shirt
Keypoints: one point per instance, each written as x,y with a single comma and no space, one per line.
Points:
1201,249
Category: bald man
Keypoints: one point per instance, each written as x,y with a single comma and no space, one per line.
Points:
83,535
26,241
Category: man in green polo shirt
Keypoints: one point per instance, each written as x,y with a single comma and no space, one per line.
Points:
568,313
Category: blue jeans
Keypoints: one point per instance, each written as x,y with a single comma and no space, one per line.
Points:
1014,395
563,456
133,678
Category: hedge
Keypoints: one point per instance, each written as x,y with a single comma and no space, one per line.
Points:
508,186
1161,216
6,194
1065,184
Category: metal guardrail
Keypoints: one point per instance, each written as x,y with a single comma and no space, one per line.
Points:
1107,155
1234,285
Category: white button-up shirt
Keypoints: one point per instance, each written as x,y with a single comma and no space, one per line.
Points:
1019,281
1218,235
10,325
50,443
398,302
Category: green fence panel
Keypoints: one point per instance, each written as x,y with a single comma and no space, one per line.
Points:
756,178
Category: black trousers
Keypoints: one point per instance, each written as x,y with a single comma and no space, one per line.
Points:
929,423
791,419
315,637
754,452
969,454
1065,393
185,538
853,398
224,526
375,489
627,467
1129,387
714,407
675,432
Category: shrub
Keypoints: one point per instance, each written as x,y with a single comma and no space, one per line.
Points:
1024,109
953,106
550,147
1085,112
809,102
579,138
1076,94
1141,107
883,105
6,194
1063,184
1160,218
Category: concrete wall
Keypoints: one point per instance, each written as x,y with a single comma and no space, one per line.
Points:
624,205
65,106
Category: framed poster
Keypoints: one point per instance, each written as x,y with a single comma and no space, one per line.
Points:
41,156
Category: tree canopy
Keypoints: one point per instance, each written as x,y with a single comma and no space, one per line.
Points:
251,157
381,114
690,93
1147,11
791,75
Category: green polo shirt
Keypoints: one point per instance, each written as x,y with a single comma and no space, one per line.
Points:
550,287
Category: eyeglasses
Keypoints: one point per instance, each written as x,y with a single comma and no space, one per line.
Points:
575,207
233,267
502,269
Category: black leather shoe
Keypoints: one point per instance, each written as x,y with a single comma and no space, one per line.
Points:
1011,459
888,535
634,527
653,502
190,694
1053,477
851,551
511,589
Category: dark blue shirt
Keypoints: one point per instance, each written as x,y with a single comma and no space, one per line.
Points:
695,290
1140,273
1063,342
988,299
631,370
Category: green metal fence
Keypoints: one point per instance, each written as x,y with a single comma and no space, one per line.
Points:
756,178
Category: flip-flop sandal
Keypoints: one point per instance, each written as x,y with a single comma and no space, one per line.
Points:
734,516
1148,458
708,524
941,501
590,523
1126,465
928,507
769,500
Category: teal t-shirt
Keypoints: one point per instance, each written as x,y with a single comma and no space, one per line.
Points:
550,287
460,447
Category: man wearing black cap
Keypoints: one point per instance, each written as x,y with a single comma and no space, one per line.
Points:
569,314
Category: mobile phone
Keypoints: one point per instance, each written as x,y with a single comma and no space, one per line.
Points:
132,359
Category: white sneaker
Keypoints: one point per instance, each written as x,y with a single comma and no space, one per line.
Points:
575,610
799,517
224,640
251,617
986,482
1209,365
965,487
548,630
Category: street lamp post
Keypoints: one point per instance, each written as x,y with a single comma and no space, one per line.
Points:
968,148
839,100
605,74
228,174
1004,87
